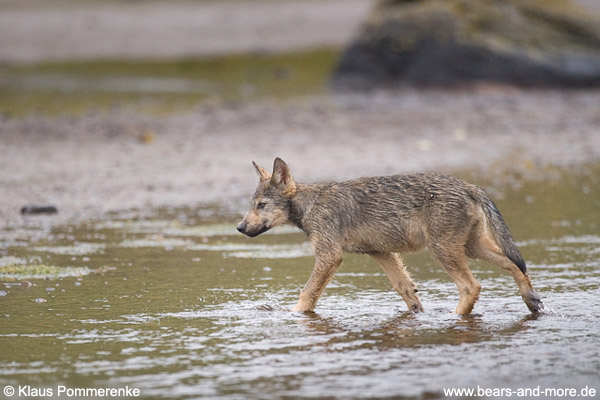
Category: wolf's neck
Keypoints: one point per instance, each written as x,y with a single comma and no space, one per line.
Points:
302,203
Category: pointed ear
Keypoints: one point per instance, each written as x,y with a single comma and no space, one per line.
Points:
282,177
262,173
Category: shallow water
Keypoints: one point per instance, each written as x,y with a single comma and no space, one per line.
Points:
158,87
182,308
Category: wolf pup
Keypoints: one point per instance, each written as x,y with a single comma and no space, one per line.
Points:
382,216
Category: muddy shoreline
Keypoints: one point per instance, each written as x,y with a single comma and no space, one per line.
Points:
122,159
33,31
97,163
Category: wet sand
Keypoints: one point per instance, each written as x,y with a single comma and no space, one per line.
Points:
96,163
33,31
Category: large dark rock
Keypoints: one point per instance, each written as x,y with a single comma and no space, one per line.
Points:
447,42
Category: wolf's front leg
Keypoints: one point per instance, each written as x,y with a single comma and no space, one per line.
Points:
325,266
397,274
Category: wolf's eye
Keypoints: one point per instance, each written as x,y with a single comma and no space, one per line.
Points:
261,205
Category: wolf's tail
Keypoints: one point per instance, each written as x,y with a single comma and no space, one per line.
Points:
500,230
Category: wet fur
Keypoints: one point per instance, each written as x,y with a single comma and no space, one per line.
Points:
382,216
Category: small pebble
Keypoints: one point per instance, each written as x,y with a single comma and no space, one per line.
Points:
40,300
147,137
36,210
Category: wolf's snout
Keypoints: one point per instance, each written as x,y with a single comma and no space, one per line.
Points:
242,227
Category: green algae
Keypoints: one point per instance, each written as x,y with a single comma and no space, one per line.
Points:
157,86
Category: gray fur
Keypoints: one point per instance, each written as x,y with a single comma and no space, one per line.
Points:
384,215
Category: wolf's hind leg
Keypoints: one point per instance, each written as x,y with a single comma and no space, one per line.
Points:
454,262
483,247
395,271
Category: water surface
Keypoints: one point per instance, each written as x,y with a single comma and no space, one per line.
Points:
181,307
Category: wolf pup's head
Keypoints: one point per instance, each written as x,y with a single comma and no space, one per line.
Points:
270,204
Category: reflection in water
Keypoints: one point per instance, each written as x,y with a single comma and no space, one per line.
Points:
170,310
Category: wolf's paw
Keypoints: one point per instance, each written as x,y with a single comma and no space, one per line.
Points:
416,308
302,309
534,302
